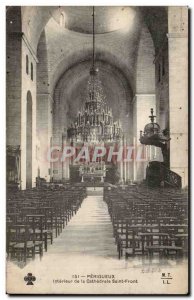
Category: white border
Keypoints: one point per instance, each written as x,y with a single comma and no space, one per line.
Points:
3,95
97,2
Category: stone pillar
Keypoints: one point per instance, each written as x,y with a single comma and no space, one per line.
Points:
58,132
121,164
124,163
142,103
28,85
44,132
129,148
178,90
66,162
20,83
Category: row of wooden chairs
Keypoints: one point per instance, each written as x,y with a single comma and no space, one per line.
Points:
36,217
148,222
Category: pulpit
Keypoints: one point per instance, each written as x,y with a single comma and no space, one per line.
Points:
157,173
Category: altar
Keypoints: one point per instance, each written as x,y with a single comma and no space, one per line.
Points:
93,172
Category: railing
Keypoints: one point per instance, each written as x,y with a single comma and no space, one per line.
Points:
171,178
158,174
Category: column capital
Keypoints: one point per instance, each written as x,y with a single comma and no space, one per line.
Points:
142,96
176,35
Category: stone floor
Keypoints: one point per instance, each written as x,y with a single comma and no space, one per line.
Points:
89,232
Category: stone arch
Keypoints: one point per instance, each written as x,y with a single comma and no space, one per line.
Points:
62,19
70,93
85,54
115,85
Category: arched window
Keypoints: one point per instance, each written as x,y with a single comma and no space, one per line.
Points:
62,20
27,64
32,71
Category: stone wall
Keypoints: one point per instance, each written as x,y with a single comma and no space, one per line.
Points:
19,83
13,76
130,69
44,108
28,85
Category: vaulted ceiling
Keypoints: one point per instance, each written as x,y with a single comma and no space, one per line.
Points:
124,35
35,18
67,48
107,18
68,39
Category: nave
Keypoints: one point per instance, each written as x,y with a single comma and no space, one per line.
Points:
88,245
90,232
94,97
96,221
76,228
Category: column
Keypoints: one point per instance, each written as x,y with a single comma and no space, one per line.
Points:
178,90
142,103
44,132
28,85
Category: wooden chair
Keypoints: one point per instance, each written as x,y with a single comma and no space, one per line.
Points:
19,245
35,222
164,251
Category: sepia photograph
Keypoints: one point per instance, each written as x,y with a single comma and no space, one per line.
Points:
97,149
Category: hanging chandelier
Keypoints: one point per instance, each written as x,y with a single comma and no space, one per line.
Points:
94,122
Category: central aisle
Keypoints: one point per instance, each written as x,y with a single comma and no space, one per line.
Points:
89,232
84,251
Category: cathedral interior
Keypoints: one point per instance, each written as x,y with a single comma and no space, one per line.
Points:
88,76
